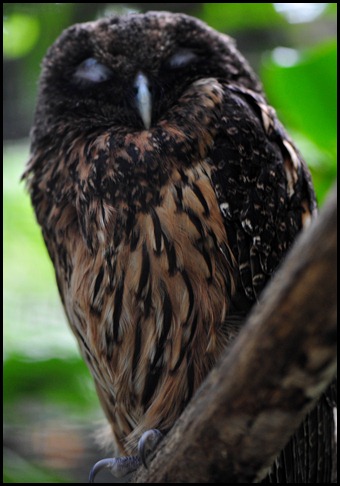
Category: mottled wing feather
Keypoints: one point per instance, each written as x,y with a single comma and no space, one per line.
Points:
262,185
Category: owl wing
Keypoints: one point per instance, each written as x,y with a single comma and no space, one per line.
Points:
266,197
262,184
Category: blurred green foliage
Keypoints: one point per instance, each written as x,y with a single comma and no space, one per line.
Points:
21,32
241,16
306,100
56,385
304,95
42,366
18,470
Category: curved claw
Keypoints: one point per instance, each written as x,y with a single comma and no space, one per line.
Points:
147,444
118,467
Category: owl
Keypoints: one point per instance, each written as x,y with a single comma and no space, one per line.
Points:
168,193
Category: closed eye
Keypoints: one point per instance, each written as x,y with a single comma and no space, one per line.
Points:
92,71
181,59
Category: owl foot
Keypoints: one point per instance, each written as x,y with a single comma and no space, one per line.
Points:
147,444
123,466
119,467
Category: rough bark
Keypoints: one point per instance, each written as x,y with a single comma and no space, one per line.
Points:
257,396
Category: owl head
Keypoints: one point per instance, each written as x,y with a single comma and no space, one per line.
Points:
130,70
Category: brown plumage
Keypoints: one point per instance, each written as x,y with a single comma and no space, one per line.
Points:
168,193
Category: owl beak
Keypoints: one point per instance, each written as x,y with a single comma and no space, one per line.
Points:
143,99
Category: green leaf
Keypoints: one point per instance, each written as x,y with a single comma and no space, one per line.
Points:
50,382
305,93
21,33
240,16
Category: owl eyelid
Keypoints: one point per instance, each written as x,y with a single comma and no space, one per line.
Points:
92,71
181,59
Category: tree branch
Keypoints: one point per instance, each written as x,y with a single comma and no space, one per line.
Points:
268,379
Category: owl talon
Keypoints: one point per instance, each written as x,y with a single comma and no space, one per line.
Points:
147,444
122,466
119,467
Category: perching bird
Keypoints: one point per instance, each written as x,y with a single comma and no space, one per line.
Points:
168,193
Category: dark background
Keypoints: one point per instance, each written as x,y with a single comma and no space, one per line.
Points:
50,408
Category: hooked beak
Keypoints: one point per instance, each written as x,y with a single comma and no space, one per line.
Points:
143,99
